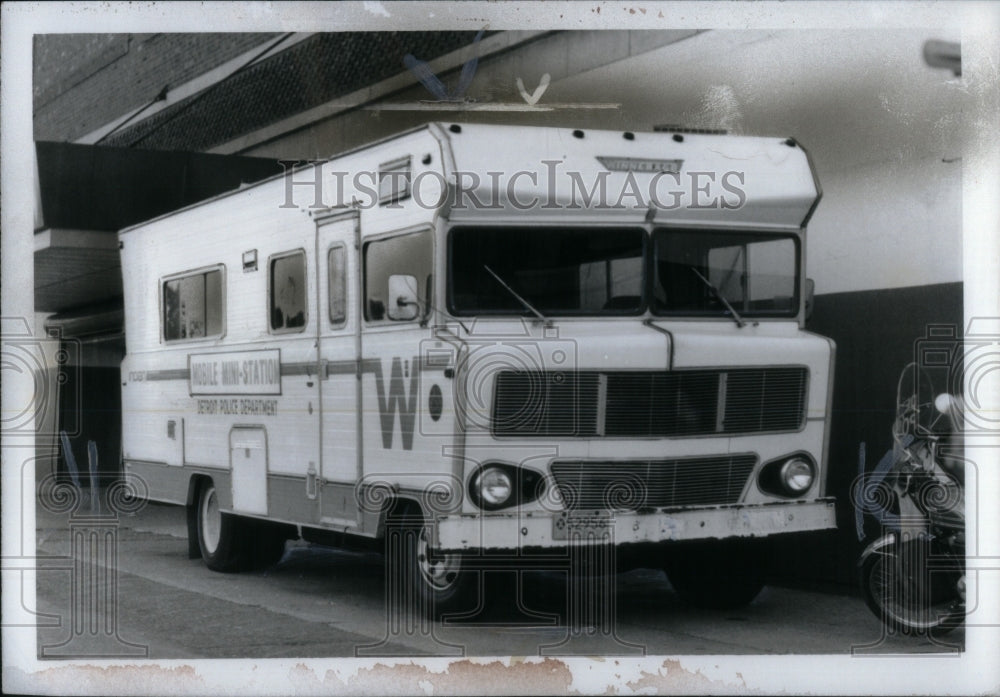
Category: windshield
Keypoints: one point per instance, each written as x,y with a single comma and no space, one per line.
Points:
700,272
556,271
542,271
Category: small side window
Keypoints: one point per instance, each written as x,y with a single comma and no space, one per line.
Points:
193,306
394,181
338,285
288,292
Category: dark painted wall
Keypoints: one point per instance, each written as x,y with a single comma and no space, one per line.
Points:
90,409
91,187
876,333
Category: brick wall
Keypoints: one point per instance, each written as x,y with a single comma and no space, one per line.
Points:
83,81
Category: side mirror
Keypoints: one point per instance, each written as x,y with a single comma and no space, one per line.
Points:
810,295
403,304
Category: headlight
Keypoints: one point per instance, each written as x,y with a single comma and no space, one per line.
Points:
498,485
797,476
494,486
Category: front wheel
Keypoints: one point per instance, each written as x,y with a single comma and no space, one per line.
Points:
427,581
719,575
913,585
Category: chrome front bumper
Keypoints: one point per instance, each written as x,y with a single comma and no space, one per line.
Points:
545,529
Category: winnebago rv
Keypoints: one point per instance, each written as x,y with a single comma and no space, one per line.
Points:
504,340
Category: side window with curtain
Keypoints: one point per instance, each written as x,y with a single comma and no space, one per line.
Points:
288,291
193,306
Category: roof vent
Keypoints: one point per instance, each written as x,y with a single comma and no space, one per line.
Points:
675,128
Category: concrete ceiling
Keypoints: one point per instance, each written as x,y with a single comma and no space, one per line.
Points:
86,193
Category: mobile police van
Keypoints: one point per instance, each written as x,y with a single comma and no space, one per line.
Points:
506,340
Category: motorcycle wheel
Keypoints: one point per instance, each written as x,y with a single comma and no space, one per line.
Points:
908,594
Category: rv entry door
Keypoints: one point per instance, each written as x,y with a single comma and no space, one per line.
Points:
339,342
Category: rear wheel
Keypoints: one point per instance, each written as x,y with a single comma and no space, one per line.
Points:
721,575
220,535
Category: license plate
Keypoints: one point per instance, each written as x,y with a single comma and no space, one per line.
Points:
595,525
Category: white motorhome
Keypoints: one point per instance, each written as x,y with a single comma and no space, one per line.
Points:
505,339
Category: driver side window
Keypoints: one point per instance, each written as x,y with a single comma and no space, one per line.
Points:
408,255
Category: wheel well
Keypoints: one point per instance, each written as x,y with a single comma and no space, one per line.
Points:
396,507
402,504
195,483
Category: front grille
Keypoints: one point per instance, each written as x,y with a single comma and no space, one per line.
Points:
634,485
646,403
546,403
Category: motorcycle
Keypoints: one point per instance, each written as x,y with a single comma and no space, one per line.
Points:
913,576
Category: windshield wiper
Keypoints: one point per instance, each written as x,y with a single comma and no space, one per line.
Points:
717,293
528,306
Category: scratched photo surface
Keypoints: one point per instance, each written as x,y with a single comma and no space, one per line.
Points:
488,340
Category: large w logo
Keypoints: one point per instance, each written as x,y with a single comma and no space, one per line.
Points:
397,401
